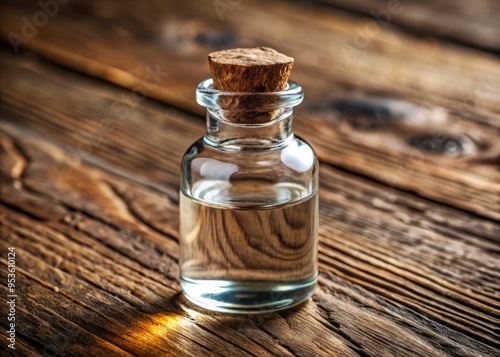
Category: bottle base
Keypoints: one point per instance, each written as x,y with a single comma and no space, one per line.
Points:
239,297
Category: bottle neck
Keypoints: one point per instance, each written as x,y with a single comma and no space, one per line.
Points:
233,135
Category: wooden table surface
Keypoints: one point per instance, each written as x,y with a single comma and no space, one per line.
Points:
402,104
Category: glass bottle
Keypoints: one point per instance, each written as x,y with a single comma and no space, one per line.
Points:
248,205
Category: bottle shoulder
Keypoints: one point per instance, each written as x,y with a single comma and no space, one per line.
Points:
297,147
295,163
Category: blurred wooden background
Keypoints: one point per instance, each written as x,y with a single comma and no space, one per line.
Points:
402,104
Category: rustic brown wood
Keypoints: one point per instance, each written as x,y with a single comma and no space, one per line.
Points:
471,24
400,275
139,280
437,139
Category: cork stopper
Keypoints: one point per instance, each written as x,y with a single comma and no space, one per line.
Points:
259,69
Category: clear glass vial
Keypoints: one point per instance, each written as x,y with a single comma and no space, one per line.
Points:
248,205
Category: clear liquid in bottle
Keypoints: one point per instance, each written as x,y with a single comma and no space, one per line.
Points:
249,246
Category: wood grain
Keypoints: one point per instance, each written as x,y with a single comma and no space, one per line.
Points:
131,300
461,22
399,274
425,121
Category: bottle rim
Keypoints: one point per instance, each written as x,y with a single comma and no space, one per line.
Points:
209,97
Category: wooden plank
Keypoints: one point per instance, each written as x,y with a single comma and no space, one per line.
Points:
408,165
396,275
121,299
48,332
476,25
99,269
437,139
